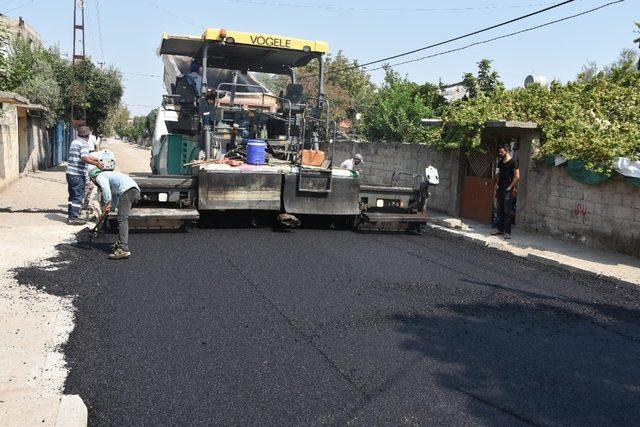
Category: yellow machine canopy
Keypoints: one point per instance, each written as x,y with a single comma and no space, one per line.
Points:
235,50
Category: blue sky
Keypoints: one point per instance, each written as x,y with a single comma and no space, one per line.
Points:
131,31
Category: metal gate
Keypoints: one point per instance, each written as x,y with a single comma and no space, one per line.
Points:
476,200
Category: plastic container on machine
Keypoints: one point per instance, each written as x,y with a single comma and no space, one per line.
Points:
256,151
107,157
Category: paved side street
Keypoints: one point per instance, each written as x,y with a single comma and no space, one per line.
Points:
245,326
337,345
437,227
35,323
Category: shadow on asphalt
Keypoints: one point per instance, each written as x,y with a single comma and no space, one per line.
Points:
503,354
58,217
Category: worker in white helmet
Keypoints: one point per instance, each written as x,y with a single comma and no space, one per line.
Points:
352,162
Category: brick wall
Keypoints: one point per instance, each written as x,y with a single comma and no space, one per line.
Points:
605,215
381,159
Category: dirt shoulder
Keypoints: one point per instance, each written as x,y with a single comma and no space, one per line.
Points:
36,324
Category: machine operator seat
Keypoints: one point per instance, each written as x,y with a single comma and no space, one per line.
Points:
295,95
186,93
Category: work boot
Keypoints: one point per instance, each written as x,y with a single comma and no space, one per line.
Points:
120,254
497,233
507,236
76,221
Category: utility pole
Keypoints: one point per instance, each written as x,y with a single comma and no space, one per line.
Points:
78,83
638,41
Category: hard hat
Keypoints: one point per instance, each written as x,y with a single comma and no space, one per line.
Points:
94,173
358,157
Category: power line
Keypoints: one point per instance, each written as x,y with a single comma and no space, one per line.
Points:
170,13
78,82
504,36
20,6
90,28
141,74
6,3
99,30
385,9
473,33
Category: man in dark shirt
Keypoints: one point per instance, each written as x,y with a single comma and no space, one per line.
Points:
508,177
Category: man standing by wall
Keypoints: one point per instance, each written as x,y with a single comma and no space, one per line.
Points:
508,177
76,178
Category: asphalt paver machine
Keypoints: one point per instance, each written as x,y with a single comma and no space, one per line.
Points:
217,115
216,109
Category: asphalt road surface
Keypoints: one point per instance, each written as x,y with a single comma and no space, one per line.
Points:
254,326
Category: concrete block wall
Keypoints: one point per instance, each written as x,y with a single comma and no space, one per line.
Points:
36,155
382,159
38,144
9,151
605,215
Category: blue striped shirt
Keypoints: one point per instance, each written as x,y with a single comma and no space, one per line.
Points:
77,149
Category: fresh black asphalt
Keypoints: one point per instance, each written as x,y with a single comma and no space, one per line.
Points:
260,327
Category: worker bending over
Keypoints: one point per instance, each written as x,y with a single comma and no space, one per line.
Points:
121,191
352,163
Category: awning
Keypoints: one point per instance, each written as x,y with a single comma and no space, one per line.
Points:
12,98
32,107
234,50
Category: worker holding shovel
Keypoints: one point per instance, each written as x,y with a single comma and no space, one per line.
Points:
121,191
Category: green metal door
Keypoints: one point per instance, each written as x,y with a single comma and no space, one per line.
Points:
180,150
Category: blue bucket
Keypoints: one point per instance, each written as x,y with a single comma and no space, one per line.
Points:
256,149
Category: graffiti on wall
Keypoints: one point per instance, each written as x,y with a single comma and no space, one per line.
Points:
579,211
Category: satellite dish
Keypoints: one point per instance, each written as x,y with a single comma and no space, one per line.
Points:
541,80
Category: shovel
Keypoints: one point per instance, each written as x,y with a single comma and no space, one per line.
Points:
98,227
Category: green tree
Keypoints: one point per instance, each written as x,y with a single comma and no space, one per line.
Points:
27,70
45,78
5,40
347,87
274,82
470,82
488,79
103,91
594,120
637,40
485,83
137,128
396,112
150,122
626,59
430,95
117,122
589,71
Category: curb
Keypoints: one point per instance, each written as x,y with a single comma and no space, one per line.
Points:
66,410
523,253
72,412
